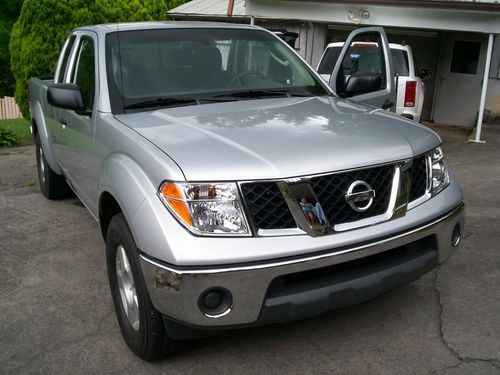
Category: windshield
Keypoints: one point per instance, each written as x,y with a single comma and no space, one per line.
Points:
166,67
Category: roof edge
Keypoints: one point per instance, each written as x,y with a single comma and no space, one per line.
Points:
447,4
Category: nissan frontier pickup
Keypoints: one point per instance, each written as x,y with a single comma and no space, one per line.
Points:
234,187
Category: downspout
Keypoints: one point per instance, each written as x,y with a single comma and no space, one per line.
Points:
484,90
230,7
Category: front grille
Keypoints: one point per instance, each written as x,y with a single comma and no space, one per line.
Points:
418,178
331,190
266,206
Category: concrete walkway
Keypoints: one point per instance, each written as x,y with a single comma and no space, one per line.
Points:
56,314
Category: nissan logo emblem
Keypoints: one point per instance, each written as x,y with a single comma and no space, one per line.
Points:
360,196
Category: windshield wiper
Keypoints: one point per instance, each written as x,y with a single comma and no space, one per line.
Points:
162,102
263,93
260,93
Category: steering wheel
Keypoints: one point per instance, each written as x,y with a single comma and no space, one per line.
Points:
238,77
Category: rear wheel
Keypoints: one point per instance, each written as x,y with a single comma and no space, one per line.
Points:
52,185
140,323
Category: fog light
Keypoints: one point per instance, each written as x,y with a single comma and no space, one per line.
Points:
215,302
456,235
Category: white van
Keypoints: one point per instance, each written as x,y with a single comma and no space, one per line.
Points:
410,88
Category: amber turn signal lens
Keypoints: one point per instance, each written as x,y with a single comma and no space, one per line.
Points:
181,209
171,190
173,197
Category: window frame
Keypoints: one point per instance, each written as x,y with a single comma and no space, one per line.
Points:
65,59
70,74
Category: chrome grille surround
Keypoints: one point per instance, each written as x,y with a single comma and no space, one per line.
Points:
399,185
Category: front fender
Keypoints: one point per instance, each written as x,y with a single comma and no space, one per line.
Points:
43,135
125,180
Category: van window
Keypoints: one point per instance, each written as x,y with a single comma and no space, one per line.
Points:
329,59
400,62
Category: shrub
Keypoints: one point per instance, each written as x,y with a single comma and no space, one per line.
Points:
43,25
7,139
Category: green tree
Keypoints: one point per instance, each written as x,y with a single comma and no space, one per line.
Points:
9,11
171,4
43,25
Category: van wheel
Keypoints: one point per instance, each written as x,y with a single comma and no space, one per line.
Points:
140,323
52,185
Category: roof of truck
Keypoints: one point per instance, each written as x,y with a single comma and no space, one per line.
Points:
128,26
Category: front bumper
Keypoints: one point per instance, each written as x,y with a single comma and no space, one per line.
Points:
175,291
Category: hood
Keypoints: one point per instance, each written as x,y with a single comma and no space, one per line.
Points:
279,138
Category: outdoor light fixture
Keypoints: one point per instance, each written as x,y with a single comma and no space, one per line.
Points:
358,15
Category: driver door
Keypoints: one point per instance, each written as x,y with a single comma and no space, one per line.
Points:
78,128
363,72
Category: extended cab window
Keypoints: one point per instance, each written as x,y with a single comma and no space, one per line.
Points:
65,58
84,72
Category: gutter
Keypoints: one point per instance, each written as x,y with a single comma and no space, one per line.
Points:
448,4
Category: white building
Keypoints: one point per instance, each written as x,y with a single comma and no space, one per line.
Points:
454,39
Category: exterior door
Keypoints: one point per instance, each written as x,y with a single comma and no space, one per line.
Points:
462,68
78,128
368,77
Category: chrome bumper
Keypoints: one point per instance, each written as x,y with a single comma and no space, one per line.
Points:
175,291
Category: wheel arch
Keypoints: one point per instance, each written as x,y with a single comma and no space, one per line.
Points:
123,186
108,207
39,127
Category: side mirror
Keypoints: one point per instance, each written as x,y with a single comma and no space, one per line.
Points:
425,73
66,96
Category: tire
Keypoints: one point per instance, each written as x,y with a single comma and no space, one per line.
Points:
141,324
52,185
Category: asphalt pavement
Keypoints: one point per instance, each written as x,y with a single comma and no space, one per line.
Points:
56,314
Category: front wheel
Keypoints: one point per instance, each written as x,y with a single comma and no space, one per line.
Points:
140,323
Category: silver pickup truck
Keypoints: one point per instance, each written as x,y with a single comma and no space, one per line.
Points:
233,187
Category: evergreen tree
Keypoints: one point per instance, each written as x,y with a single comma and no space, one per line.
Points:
9,11
43,25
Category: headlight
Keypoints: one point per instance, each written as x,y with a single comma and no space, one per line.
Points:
206,208
439,171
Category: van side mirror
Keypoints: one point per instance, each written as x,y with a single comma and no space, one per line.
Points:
66,96
425,73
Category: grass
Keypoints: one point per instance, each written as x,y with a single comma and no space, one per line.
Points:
20,129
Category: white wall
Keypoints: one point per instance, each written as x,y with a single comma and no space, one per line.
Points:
394,16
